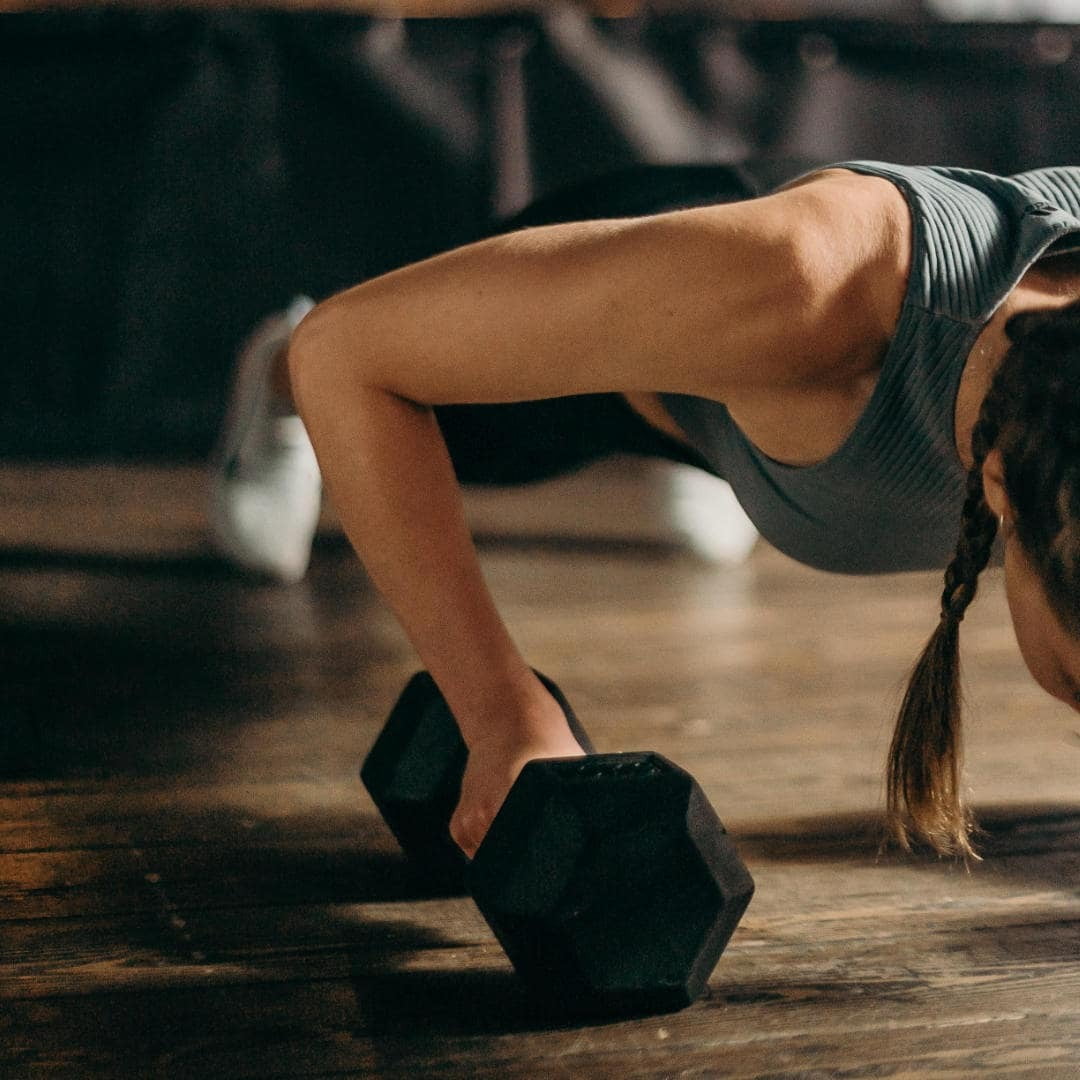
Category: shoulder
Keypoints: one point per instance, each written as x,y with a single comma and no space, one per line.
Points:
861,217
796,289
854,234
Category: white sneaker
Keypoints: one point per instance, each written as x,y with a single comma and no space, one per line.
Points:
265,485
704,511
622,499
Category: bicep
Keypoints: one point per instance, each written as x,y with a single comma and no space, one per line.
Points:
687,302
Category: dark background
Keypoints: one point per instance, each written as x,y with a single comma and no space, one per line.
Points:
170,177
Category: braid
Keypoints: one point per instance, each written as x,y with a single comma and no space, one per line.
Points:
924,762
1031,413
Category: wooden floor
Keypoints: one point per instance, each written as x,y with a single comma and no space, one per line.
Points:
193,883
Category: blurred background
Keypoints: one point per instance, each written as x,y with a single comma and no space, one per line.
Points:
172,174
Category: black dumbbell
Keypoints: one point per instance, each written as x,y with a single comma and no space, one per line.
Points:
608,880
414,772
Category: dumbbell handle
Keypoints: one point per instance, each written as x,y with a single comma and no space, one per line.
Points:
414,771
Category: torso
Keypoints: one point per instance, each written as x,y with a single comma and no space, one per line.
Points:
805,425
796,427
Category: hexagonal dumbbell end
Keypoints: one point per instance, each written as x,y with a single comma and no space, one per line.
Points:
611,883
413,773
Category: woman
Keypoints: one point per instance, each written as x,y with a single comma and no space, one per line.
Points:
867,354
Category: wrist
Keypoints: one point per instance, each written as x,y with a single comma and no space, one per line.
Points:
522,714
536,724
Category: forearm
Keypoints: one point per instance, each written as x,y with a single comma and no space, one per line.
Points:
392,483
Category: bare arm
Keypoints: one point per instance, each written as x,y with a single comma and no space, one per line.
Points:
711,302
704,301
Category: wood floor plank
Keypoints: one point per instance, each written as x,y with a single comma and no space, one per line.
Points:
194,884
439,1020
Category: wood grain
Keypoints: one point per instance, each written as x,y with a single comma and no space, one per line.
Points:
194,884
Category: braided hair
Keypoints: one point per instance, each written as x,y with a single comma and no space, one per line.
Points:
1031,415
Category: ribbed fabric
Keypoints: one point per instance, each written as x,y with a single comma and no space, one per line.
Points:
889,498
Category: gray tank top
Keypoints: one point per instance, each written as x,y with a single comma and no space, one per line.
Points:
889,498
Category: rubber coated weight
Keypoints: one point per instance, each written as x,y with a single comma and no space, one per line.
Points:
413,773
611,883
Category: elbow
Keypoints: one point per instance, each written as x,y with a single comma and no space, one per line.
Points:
317,362
332,366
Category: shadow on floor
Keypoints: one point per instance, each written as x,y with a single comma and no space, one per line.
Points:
1003,831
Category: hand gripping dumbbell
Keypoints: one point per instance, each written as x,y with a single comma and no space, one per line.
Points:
608,880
